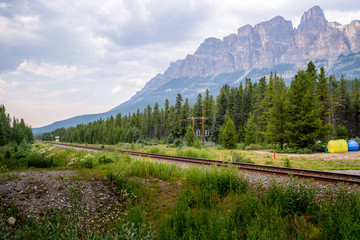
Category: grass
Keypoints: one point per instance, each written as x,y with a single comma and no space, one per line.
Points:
165,201
263,157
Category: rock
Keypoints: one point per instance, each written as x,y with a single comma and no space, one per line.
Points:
11,221
312,20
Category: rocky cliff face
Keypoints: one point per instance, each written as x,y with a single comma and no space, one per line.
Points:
253,52
268,44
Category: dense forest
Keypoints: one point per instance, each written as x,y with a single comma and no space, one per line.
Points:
13,130
313,108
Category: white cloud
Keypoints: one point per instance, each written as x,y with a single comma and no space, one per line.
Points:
57,72
22,30
70,51
341,17
116,89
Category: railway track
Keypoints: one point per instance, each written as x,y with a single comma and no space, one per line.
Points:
329,177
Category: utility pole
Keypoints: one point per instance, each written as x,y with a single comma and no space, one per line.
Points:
202,126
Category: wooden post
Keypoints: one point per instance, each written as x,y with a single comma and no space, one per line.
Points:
203,134
193,123
231,155
275,158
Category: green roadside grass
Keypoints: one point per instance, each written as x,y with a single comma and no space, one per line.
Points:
166,201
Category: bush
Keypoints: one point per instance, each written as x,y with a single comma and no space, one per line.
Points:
37,160
156,150
105,160
178,143
254,147
341,132
170,139
193,152
238,157
318,148
287,163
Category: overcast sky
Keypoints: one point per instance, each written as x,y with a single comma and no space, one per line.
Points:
62,58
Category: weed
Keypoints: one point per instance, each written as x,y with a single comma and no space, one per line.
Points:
238,157
287,163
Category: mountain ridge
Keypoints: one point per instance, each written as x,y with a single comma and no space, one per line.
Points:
254,51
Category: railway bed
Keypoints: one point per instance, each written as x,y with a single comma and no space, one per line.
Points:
321,176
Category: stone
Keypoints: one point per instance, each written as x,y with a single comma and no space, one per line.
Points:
11,221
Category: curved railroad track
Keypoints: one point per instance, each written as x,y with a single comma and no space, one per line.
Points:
329,177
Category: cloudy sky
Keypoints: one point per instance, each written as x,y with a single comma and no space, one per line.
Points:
62,58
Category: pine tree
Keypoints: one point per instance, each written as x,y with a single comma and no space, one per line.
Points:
355,107
264,94
198,106
323,104
304,125
237,107
221,107
250,129
229,137
156,121
278,114
178,122
190,136
208,110
4,126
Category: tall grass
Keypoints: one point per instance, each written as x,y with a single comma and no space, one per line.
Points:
194,152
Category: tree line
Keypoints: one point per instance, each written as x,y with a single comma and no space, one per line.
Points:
13,130
313,108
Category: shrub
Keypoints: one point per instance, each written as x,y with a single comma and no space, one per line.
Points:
178,143
254,147
238,157
318,148
156,150
287,163
170,139
105,160
37,160
193,152
341,132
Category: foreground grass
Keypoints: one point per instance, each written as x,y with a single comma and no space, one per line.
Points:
169,202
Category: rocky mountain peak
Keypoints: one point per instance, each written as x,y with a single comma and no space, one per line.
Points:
312,20
276,29
209,47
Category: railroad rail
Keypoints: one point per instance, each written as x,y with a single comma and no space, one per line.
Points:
329,177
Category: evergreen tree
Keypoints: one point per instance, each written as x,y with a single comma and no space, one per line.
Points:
190,136
304,125
342,108
178,122
170,139
221,107
185,113
237,107
229,137
4,126
355,107
323,104
278,114
208,110
198,106
156,121
250,129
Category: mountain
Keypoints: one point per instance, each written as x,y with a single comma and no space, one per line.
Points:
253,52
